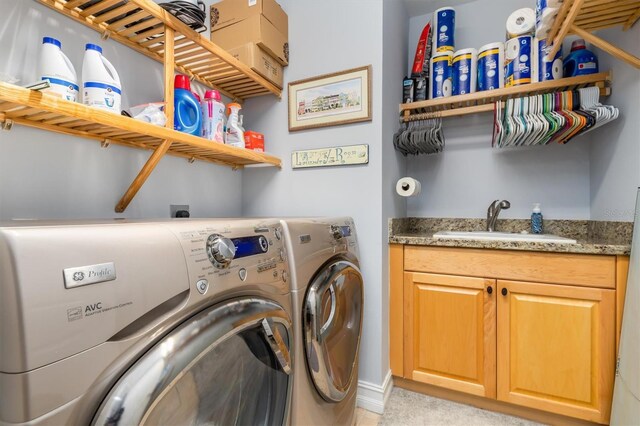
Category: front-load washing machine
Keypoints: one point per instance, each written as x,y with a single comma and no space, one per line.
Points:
183,322
327,293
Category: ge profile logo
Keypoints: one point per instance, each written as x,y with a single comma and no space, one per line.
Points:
78,276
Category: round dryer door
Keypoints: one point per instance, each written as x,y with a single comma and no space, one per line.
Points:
227,365
332,327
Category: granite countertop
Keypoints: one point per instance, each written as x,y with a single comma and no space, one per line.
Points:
593,237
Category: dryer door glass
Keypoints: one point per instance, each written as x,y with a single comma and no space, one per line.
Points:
332,328
227,365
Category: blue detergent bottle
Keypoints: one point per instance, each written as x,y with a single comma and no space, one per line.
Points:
580,61
187,116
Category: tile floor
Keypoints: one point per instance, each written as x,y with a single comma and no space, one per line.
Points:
406,408
366,418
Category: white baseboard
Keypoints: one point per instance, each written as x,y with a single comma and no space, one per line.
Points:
374,397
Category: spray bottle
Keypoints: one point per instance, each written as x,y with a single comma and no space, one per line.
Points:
234,134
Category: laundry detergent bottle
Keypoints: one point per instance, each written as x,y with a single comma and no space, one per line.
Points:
100,81
187,115
580,61
213,116
58,69
234,134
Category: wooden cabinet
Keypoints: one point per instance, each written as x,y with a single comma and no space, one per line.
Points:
547,343
556,348
461,312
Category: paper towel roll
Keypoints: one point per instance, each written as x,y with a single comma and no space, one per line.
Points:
440,72
491,66
518,57
444,25
408,187
547,68
521,22
464,72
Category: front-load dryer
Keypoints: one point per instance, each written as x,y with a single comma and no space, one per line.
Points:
327,293
183,322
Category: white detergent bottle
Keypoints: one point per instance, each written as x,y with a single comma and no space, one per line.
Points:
101,83
234,134
58,69
213,116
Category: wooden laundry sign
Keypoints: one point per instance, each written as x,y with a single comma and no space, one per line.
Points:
333,156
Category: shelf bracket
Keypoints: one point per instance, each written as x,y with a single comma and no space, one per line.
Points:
106,34
606,46
143,175
105,143
6,124
162,149
192,160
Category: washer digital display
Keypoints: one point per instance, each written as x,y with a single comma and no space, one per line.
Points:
249,246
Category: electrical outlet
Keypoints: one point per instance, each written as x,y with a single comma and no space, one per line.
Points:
174,208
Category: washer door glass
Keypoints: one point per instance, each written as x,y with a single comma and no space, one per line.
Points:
332,328
227,365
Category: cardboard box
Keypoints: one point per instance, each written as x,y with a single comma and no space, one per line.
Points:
254,141
256,29
259,61
229,12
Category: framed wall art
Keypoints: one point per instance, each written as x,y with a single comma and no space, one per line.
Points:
329,100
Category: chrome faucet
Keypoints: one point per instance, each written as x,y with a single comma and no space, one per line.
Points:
493,211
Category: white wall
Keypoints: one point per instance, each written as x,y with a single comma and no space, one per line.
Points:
47,175
615,148
326,37
462,181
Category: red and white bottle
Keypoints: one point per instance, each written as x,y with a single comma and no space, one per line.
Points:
213,116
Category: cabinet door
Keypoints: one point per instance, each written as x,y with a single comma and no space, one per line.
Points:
556,348
450,336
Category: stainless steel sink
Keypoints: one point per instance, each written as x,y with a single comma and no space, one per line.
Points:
502,236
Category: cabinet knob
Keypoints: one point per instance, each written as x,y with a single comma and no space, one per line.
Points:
504,291
489,289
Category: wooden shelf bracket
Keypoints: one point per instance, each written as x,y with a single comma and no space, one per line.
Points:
607,47
582,17
159,152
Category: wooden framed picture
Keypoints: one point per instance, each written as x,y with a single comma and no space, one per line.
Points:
330,100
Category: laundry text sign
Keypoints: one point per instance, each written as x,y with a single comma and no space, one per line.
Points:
333,156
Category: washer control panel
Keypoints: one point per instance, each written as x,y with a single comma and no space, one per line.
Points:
222,250
224,254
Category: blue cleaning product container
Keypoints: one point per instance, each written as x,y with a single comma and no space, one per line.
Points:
187,116
536,220
580,61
